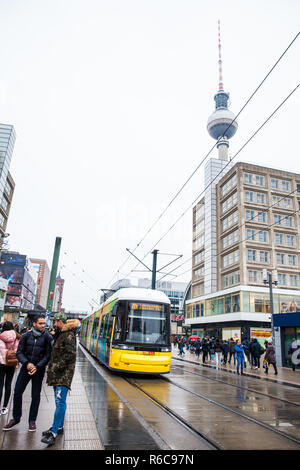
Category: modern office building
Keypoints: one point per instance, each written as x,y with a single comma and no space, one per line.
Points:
43,279
7,185
247,221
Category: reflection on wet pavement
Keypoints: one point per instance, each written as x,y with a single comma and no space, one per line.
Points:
117,427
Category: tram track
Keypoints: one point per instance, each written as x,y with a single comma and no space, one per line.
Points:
218,445
215,445
181,366
159,409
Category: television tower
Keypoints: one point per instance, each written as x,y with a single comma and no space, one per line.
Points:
220,125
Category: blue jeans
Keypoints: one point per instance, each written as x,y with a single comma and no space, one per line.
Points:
60,395
240,362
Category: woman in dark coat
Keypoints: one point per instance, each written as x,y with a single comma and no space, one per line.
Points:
270,358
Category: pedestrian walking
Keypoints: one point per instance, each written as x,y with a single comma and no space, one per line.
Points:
225,351
61,370
9,341
181,347
205,349
270,358
218,352
293,347
232,351
34,353
198,347
239,350
211,351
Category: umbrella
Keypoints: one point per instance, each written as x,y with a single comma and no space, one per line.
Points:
194,337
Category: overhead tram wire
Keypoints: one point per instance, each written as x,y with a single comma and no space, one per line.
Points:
207,155
237,153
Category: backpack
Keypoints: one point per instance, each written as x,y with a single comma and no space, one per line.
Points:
11,358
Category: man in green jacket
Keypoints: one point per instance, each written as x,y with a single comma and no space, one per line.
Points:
61,370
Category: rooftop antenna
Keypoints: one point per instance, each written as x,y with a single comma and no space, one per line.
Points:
220,59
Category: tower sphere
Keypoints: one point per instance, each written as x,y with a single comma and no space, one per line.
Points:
218,124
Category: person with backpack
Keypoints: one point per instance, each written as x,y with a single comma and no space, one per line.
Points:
257,350
198,347
218,351
205,349
9,342
34,353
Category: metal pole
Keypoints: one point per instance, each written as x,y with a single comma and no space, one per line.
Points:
53,274
154,252
271,304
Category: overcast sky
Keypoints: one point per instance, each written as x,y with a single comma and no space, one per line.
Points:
110,101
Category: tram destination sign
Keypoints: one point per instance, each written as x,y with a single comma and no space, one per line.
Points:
153,307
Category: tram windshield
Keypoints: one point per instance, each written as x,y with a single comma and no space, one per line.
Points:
147,323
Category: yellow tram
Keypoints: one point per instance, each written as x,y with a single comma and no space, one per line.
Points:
131,332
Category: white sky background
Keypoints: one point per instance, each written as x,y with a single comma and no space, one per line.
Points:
110,100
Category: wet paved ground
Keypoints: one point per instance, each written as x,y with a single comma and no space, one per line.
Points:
106,411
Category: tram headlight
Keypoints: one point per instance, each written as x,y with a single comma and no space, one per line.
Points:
165,349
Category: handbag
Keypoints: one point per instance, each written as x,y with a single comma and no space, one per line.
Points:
265,364
11,358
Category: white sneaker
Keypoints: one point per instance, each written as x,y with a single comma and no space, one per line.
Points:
4,411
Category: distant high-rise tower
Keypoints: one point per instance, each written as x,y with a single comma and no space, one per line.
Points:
220,123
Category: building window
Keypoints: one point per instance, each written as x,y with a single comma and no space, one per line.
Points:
276,200
280,257
279,238
274,183
251,234
282,279
250,214
289,221
292,260
277,219
252,276
248,178
290,240
262,217
251,255
260,180
294,280
263,236
261,198
264,256
285,185
249,196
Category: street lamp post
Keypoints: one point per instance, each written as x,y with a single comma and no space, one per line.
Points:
270,280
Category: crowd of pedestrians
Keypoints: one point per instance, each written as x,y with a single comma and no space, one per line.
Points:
222,352
37,350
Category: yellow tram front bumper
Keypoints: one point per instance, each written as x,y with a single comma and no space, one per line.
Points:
140,361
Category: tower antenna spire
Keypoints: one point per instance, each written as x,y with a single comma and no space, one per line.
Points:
220,59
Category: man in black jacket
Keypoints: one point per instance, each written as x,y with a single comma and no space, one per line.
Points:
33,352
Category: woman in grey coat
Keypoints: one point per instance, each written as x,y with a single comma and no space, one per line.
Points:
270,358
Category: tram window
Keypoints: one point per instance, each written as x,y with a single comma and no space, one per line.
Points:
103,326
95,328
109,326
119,322
147,323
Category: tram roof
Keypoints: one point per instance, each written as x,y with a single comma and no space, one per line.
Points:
138,294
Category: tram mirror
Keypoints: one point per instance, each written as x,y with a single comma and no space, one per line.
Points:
114,312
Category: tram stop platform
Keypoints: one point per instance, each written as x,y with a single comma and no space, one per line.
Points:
80,431
285,375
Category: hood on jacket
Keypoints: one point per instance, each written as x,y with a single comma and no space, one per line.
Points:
71,324
8,336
